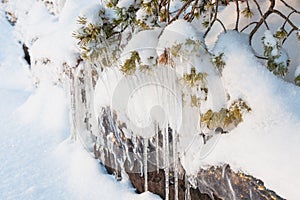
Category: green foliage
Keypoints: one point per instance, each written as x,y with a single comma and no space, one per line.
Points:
195,79
275,54
247,12
225,118
218,61
280,34
131,64
195,101
297,80
189,48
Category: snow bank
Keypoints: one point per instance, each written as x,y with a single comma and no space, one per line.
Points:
266,144
14,72
90,180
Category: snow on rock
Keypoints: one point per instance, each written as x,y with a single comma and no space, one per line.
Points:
12,65
90,180
38,160
266,144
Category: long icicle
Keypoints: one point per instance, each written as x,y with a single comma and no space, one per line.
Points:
175,161
187,194
72,104
166,161
157,147
145,148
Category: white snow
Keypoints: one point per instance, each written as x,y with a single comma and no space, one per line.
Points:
266,144
38,159
297,71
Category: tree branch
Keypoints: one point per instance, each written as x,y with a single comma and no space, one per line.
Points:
260,12
262,19
286,18
248,25
290,7
290,32
214,19
184,7
237,15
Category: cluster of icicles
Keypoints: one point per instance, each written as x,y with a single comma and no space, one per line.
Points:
118,137
107,133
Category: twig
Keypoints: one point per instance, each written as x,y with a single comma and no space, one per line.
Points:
192,11
262,19
168,11
184,7
222,25
286,18
247,26
214,19
290,7
237,15
261,57
290,32
261,14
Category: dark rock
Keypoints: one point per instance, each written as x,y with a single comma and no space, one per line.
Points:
26,54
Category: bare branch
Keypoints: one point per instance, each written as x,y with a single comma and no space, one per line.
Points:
222,25
286,18
214,19
290,7
248,25
237,15
290,32
260,12
192,11
184,7
262,19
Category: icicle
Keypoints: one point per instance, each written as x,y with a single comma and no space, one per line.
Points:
134,142
166,160
175,161
72,105
157,147
187,194
145,155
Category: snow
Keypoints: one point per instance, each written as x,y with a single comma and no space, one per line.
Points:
178,32
266,144
38,159
11,58
146,49
269,40
125,3
297,71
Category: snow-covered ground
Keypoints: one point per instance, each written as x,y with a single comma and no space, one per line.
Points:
38,160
